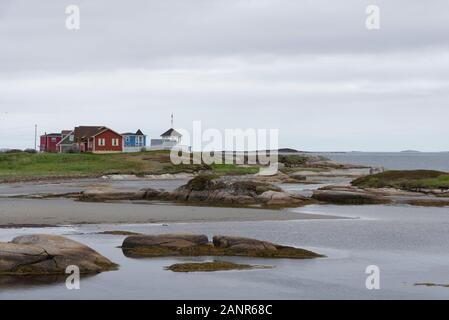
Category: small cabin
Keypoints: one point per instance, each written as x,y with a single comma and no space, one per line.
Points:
134,142
49,142
169,139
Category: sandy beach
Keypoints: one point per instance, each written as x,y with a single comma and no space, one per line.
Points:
66,211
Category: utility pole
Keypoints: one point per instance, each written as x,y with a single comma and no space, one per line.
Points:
172,120
35,137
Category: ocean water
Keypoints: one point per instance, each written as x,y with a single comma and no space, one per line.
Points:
394,160
408,244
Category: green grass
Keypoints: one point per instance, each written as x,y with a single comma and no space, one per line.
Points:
413,180
21,166
25,166
233,169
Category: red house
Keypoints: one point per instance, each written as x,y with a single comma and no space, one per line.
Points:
97,139
49,142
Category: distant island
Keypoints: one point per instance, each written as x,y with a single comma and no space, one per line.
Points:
288,150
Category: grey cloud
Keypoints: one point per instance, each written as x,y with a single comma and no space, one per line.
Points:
309,68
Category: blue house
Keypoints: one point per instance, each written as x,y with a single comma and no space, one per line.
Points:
134,142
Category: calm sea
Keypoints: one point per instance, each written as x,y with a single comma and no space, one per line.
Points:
395,160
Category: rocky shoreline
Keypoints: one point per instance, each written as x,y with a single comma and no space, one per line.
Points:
248,192
208,189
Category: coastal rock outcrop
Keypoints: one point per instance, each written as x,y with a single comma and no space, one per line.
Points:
41,254
111,195
199,245
240,243
348,196
221,191
212,266
207,189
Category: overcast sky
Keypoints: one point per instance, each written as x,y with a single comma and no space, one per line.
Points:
309,68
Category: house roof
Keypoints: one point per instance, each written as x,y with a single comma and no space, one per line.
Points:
170,133
87,131
138,133
51,135
66,132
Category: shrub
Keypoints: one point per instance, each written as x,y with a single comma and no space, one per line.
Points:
201,182
292,160
254,186
13,151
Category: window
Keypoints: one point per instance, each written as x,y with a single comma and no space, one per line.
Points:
115,142
71,138
53,139
101,142
138,141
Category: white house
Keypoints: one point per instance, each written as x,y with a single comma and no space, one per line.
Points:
169,139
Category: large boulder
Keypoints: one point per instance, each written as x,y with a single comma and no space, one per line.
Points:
199,245
240,244
42,254
348,197
281,198
170,241
163,245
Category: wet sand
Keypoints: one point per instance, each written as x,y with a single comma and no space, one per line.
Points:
66,211
78,185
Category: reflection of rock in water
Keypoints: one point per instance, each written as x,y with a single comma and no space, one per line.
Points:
14,282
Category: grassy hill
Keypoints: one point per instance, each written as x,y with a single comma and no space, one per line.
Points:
412,180
21,166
